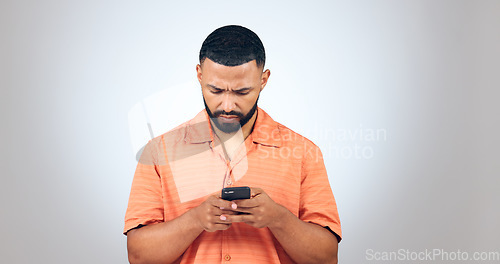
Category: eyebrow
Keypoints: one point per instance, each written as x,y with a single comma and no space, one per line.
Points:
235,90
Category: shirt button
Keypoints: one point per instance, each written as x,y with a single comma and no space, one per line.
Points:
227,258
229,182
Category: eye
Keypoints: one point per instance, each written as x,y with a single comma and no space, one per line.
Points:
243,92
216,91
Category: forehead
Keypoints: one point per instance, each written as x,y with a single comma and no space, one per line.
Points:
213,70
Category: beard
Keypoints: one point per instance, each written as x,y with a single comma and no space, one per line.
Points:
230,127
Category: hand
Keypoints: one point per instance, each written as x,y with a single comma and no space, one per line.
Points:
212,213
258,211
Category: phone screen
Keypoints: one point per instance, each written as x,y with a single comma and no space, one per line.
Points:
235,193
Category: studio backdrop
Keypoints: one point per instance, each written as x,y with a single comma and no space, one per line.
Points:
401,97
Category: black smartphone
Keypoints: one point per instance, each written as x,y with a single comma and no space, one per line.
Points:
235,193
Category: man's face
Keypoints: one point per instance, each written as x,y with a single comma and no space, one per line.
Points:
231,93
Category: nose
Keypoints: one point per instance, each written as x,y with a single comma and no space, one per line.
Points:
228,102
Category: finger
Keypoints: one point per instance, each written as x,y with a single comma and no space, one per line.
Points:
254,191
244,218
216,227
228,212
222,219
220,203
249,203
222,222
232,206
244,210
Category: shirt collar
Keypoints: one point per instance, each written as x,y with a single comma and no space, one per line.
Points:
198,129
265,131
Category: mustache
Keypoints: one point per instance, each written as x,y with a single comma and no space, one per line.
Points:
233,113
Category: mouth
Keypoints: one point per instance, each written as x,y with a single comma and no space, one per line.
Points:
228,118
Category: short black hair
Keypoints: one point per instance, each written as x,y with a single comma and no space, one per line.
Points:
232,46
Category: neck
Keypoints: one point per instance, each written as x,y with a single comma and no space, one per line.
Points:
231,142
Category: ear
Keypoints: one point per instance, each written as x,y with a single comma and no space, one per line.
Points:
198,73
264,77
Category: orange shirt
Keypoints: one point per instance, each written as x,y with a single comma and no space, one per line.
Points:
181,168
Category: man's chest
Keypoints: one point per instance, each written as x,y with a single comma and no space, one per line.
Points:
197,174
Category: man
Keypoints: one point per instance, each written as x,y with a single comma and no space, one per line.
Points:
175,213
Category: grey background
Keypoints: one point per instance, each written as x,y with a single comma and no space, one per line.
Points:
425,72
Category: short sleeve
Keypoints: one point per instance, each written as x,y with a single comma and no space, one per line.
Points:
317,203
145,202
